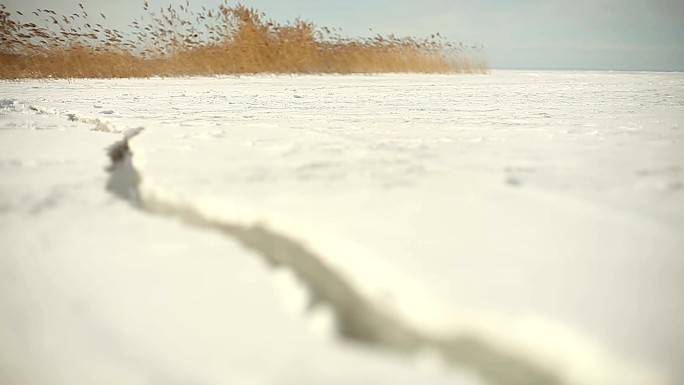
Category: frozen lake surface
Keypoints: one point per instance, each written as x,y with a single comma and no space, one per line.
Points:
511,228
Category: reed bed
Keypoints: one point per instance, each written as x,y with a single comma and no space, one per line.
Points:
180,41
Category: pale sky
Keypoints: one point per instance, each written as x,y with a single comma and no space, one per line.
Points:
516,34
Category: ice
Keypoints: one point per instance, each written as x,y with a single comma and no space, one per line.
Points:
535,215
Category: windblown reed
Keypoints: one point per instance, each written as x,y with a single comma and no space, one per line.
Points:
178,41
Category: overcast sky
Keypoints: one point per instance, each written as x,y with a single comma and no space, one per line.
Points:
520,34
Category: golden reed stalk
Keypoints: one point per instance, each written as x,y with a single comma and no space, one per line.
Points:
177,41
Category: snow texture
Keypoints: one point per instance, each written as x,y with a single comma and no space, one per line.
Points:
508,228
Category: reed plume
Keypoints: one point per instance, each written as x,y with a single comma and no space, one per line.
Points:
180,41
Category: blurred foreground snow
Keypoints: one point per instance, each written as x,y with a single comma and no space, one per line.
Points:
514,228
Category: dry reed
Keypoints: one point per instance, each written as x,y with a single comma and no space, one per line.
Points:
177,41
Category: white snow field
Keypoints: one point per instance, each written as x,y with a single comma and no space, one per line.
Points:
505,229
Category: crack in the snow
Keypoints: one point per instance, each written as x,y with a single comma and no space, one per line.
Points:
123,178
357,319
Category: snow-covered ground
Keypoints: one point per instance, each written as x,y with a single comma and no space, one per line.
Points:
511,228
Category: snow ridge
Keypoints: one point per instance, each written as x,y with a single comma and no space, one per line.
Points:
100,125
